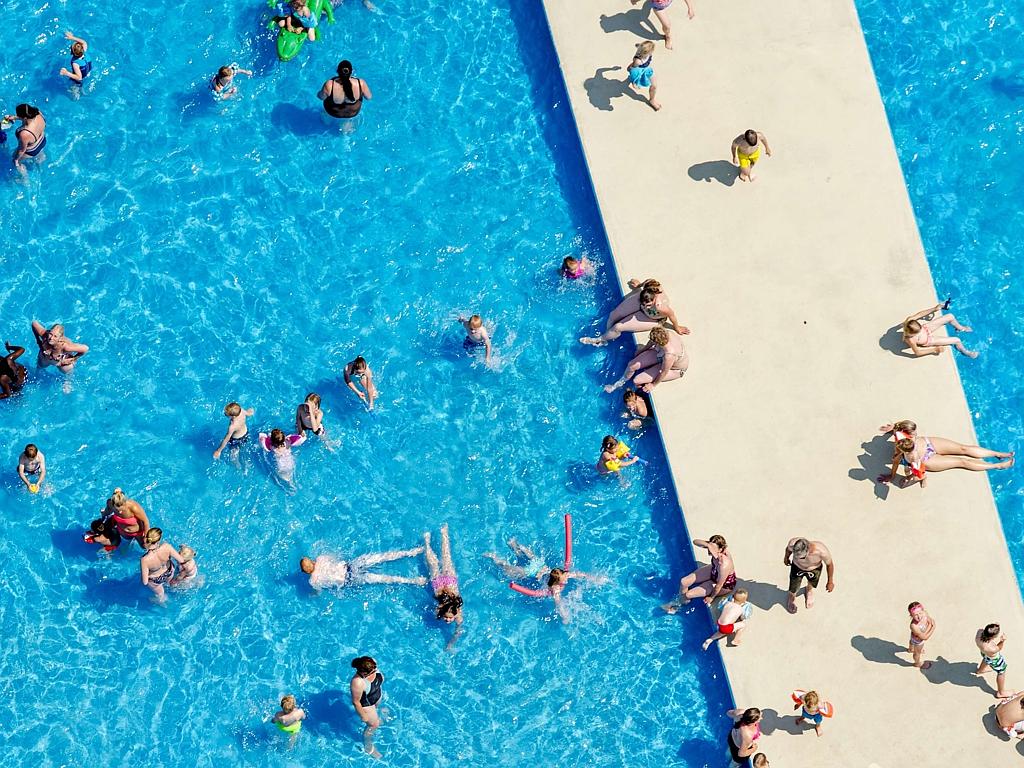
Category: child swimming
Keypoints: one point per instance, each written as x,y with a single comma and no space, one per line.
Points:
237,432
289,718
638,408
574,269
558,578
32,468
732,620
614,457
222,83
81,63
476,336
279,446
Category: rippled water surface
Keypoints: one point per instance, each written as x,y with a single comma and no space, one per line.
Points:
244,251
952,78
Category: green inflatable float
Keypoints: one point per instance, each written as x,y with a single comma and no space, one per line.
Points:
290,43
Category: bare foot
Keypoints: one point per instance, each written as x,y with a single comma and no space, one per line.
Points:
374,753
1005,455
593,342
970,354
668,42
707,644
925,665
655,105
753,177
809,599
965,328
791,604
1004,695
672,607
1004,464
609,388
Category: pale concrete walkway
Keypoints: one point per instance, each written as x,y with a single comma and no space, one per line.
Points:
788,285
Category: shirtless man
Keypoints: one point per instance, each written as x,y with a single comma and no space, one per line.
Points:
1010,717
989,640
55,348
328,571
805,560
746,151
156,565
12,373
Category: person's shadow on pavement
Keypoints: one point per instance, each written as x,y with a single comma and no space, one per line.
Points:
636,21
601,90
874,461
721,171
941,670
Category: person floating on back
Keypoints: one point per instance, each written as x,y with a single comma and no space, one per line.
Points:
81,63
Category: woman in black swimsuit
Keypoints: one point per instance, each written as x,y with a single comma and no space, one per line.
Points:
343,95
12,373
366,683
31,134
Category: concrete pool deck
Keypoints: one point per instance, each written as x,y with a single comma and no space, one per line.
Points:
791,286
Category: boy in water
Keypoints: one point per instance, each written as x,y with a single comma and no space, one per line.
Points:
30,464
237,432
301,20
81,63
732,620
223,85
289,718
476,336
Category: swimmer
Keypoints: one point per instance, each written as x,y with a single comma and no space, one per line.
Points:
921,628
810,706
638,408
31,135
55,348
308,416
535,567
366,694
990,640
920,455
301,20
923,339
238,431
289,718
574,269
279,446
732,619
612,459
81,62
188,569
128,515
742,739
157,564
12,373
358,372
558,578
644,308
444,583
746,152
662,358
1010,716
476,336
104,533
223,83
708,581
328,571
342,96
640,73
660,9
32,468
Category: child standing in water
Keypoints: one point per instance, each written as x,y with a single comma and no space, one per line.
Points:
358,372
289,718
310,417
188,570
641,73
81,63
223,83
32,468
921,627
237,432
476,336
732,620
279,446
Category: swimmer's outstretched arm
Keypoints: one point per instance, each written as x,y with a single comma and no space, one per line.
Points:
70,36
14,351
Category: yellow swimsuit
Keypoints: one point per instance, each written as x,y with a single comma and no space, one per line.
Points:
748,160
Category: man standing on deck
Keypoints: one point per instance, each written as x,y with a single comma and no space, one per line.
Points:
805,560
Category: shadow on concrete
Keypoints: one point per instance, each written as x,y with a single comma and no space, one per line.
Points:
892,341
601,90
721,171
772,721
880,651
763,595
874,461
941,671
991,725
636,21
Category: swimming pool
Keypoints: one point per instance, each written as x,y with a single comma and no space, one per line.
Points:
210,253
950,78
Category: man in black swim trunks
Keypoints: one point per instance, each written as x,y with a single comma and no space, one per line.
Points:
806,560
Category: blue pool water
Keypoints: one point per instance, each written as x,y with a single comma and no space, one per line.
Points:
952,78
245,251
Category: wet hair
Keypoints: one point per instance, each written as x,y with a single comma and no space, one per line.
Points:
186,552
913,607
31,451
608,443
555,576
653,284
314,398
990,631
345,78
645,48
475,321
911,327
906,445
153,536
232,409
750,136
277,438
448,603
570,264
760,760
117,498
801,547
647,294
811,698
629,395
750,716
741,592
364,665
287,702
26,112
77,49
98,526
306,562
225,72
659,336
719,541
359,362
906,425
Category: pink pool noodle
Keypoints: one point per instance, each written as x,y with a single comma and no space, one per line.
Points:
568,562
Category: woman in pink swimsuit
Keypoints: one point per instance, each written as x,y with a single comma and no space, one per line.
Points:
660,8
128,515
708,581
444,583
924,339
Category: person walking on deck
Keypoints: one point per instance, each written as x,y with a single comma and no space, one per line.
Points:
806,559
